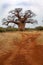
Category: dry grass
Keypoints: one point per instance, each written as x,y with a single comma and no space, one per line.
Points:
21,48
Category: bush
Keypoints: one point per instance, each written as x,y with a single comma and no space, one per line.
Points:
11,29
8,29
39,28
2,29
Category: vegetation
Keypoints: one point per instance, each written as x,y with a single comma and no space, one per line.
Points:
39,28
19,18
9,29
2,29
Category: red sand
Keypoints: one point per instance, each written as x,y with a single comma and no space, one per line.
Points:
25,52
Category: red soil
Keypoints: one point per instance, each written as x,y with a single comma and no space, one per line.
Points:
25,52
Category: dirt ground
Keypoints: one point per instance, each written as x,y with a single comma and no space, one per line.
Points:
21,48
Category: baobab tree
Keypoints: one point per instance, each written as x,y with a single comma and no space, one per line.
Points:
16,16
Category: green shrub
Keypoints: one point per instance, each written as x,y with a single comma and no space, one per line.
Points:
8,29
11,29
39,28
2,29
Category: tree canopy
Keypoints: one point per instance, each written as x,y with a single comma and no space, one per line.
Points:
18,17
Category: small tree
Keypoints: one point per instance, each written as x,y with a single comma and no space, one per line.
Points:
18,17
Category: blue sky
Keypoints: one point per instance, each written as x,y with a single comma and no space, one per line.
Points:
35,5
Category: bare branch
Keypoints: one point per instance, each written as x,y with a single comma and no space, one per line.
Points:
11,21
29,14
31,21
20,18
10,18
16,12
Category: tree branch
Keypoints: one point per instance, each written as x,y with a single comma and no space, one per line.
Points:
31,21
6,23
16,12
29,14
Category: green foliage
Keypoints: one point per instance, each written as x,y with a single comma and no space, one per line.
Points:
10,29
39,28
2,29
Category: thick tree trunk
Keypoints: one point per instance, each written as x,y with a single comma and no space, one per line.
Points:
21,26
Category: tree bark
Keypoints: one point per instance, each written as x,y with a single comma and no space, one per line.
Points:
21,26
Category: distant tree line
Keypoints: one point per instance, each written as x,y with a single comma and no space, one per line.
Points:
10,29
